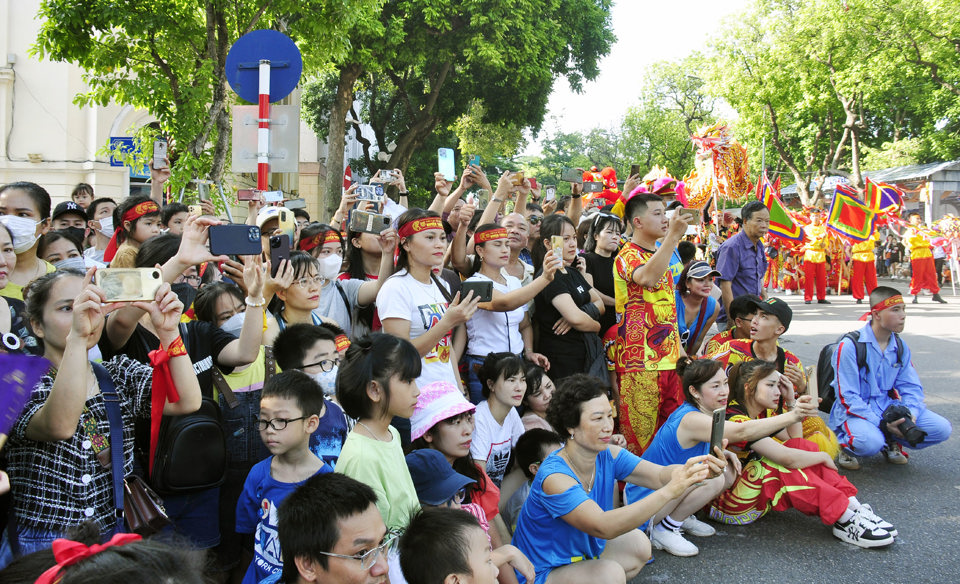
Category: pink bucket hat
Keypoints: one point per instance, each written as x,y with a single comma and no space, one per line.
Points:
437,402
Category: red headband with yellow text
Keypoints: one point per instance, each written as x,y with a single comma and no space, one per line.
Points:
490,235
419,225
322,238
138,211
883,305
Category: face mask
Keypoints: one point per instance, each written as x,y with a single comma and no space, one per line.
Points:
24,231
330,267
77,233
106,227
327,380
76,263
233,324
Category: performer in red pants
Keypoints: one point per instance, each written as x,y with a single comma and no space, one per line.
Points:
864,268
815,260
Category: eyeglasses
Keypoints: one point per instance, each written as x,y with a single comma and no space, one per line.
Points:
191,279
325,365
534,219
458,498
307,282
368,558
276,423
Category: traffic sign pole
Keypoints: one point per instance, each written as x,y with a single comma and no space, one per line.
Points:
263,131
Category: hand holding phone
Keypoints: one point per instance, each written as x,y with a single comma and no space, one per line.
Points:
556,242
716,430
483,290
129,285
160,153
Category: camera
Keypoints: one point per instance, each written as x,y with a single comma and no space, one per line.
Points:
908,428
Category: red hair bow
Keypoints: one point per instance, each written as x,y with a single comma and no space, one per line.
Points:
67,553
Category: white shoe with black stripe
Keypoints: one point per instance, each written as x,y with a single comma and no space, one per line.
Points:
866,511
862,533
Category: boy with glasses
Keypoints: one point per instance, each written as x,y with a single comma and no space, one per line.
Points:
331,531
290,407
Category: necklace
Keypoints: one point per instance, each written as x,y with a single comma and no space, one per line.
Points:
579,474
372,433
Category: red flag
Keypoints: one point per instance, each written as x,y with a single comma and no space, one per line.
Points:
347,178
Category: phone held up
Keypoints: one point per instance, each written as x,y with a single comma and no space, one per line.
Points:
279,251
235,239
482,290
445,163
128,285
159,153
364,222
571,175
556,243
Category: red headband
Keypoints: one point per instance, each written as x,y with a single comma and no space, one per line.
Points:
68,553
418,225
490,235
322,238
883,305
138,211
343,343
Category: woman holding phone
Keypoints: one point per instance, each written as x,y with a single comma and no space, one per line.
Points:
686,433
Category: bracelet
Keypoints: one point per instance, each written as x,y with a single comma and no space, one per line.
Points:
402,193
496,200
254,303
176,348
572,196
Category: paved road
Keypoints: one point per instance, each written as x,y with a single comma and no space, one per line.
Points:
922,498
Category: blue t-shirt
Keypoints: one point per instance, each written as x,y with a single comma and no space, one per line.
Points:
257,513
327,440
666,450
676,265
543,536
688,336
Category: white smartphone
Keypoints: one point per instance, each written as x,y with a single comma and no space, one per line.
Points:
160,153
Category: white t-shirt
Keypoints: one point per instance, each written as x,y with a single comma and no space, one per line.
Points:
495,332
423,305
493,442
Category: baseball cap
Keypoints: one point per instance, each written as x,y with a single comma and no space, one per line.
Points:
437,402
434,479
777,308
68,207
266,214
701,269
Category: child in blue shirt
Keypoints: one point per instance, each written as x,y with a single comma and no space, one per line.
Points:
290,408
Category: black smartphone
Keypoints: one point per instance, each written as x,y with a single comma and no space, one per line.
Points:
571,175
482,290
235,239
592,187
279,251
716,432
634,169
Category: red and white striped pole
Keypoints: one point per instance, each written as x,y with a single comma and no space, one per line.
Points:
263,128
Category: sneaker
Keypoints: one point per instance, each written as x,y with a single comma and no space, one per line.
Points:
859,300
847,460
806,302
938,298
673,542
866,511
894,453
824,301
862,533
916,299
694,526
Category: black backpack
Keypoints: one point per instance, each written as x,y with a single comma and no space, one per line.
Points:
826,373
191,452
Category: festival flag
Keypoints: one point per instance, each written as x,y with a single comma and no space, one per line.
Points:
849,217
882,197
781,224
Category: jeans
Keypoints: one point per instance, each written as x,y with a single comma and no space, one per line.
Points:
29,540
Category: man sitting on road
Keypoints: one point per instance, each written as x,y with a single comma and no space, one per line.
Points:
742,310
864,415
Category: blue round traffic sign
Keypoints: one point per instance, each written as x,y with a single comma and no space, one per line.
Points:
243,64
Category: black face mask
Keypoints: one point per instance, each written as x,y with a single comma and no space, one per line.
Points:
185,292
76,233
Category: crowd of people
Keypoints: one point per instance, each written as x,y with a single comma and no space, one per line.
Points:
521,392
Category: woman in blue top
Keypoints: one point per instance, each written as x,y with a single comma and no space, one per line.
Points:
568,527
696,309
686,433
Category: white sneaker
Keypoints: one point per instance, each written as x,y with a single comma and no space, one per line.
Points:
866,511
673,542
694,526
862,533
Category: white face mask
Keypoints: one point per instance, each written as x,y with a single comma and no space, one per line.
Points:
24,231
330,267
106,227
76,263
233,324
327,380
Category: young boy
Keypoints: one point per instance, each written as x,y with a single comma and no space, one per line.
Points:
290,408
313,350
742,310
446,546
532,447
648,344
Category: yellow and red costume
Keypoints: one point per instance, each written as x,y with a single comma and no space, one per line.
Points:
815,262
864,269
924,273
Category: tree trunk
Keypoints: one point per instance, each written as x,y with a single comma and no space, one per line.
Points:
336,136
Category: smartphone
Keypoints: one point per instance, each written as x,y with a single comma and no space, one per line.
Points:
159,153
368,193
556,242
482,290
129,284
386,176
592,187
634,169
517,178
572,175
474,160
295,204
235,239
195,210
445,163
693,215
279,251
549,192
533,182
716,431
272,196
362,221
248,195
